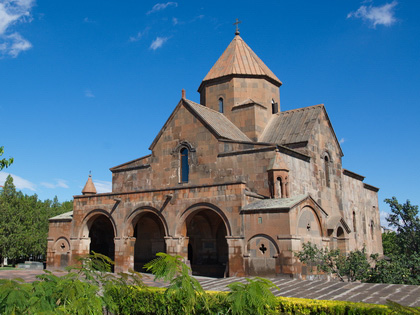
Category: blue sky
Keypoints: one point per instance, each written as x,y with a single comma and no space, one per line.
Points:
86,85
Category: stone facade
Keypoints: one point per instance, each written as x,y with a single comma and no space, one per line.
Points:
233,185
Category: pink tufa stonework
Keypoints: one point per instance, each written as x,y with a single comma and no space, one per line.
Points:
234,191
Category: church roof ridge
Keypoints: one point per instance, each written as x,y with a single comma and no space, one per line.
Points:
218,122
239,59
302,109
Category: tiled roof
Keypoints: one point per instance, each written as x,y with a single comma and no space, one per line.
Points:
218,122
292,126
238,58
272,204
68,216
89,187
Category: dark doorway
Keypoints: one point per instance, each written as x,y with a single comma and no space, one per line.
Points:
101,235
207,248
150,239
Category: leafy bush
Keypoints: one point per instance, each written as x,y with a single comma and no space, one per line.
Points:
253,297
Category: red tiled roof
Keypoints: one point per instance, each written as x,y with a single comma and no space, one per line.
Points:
238,58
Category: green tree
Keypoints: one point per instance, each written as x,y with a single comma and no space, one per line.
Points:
404,218
4,163
24,222
351,267
389,243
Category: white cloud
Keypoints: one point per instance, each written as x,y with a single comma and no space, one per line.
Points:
158,42
342,140
380,15
12,12
162,6
18,181
139,35
174,21
102,186
383,215
59,183
88,93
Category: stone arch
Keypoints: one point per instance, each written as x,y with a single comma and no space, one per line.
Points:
341,239
132,217
261,257
183,144
62,245
181,228
102,232
309,224
149,229
205,228
89,219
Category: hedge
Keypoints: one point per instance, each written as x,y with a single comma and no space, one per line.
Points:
133,300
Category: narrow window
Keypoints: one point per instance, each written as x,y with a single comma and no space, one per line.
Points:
354,222
371,228
184,165
327,171
279,188
274,106
221,105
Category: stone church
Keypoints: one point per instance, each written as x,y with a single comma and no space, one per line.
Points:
234,185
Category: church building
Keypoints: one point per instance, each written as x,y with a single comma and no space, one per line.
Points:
234,185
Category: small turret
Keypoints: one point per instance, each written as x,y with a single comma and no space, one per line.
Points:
89,188
278,177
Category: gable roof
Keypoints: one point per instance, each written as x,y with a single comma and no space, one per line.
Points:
280,204
294,126
216,122
67,216
239,59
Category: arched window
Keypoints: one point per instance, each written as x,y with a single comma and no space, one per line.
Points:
221,105
185,170
274,106
354,222
327,171
279,184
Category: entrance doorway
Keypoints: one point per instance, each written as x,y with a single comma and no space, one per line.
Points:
101,235
150,239
207,247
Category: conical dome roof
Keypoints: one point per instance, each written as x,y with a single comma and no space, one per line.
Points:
89,188
239,59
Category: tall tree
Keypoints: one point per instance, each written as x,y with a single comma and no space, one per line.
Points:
24,222
404,217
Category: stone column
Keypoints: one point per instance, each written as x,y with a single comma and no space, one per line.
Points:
236,259
124,253
79,247
288,244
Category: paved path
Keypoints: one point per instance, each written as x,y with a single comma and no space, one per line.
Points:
311,289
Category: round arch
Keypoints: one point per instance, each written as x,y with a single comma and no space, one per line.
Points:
205,227
272,250
132,219
91,217
149,228
100,227
62,245
181,226
309,223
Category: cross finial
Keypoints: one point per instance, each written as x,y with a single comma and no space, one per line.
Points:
237,26
90,173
